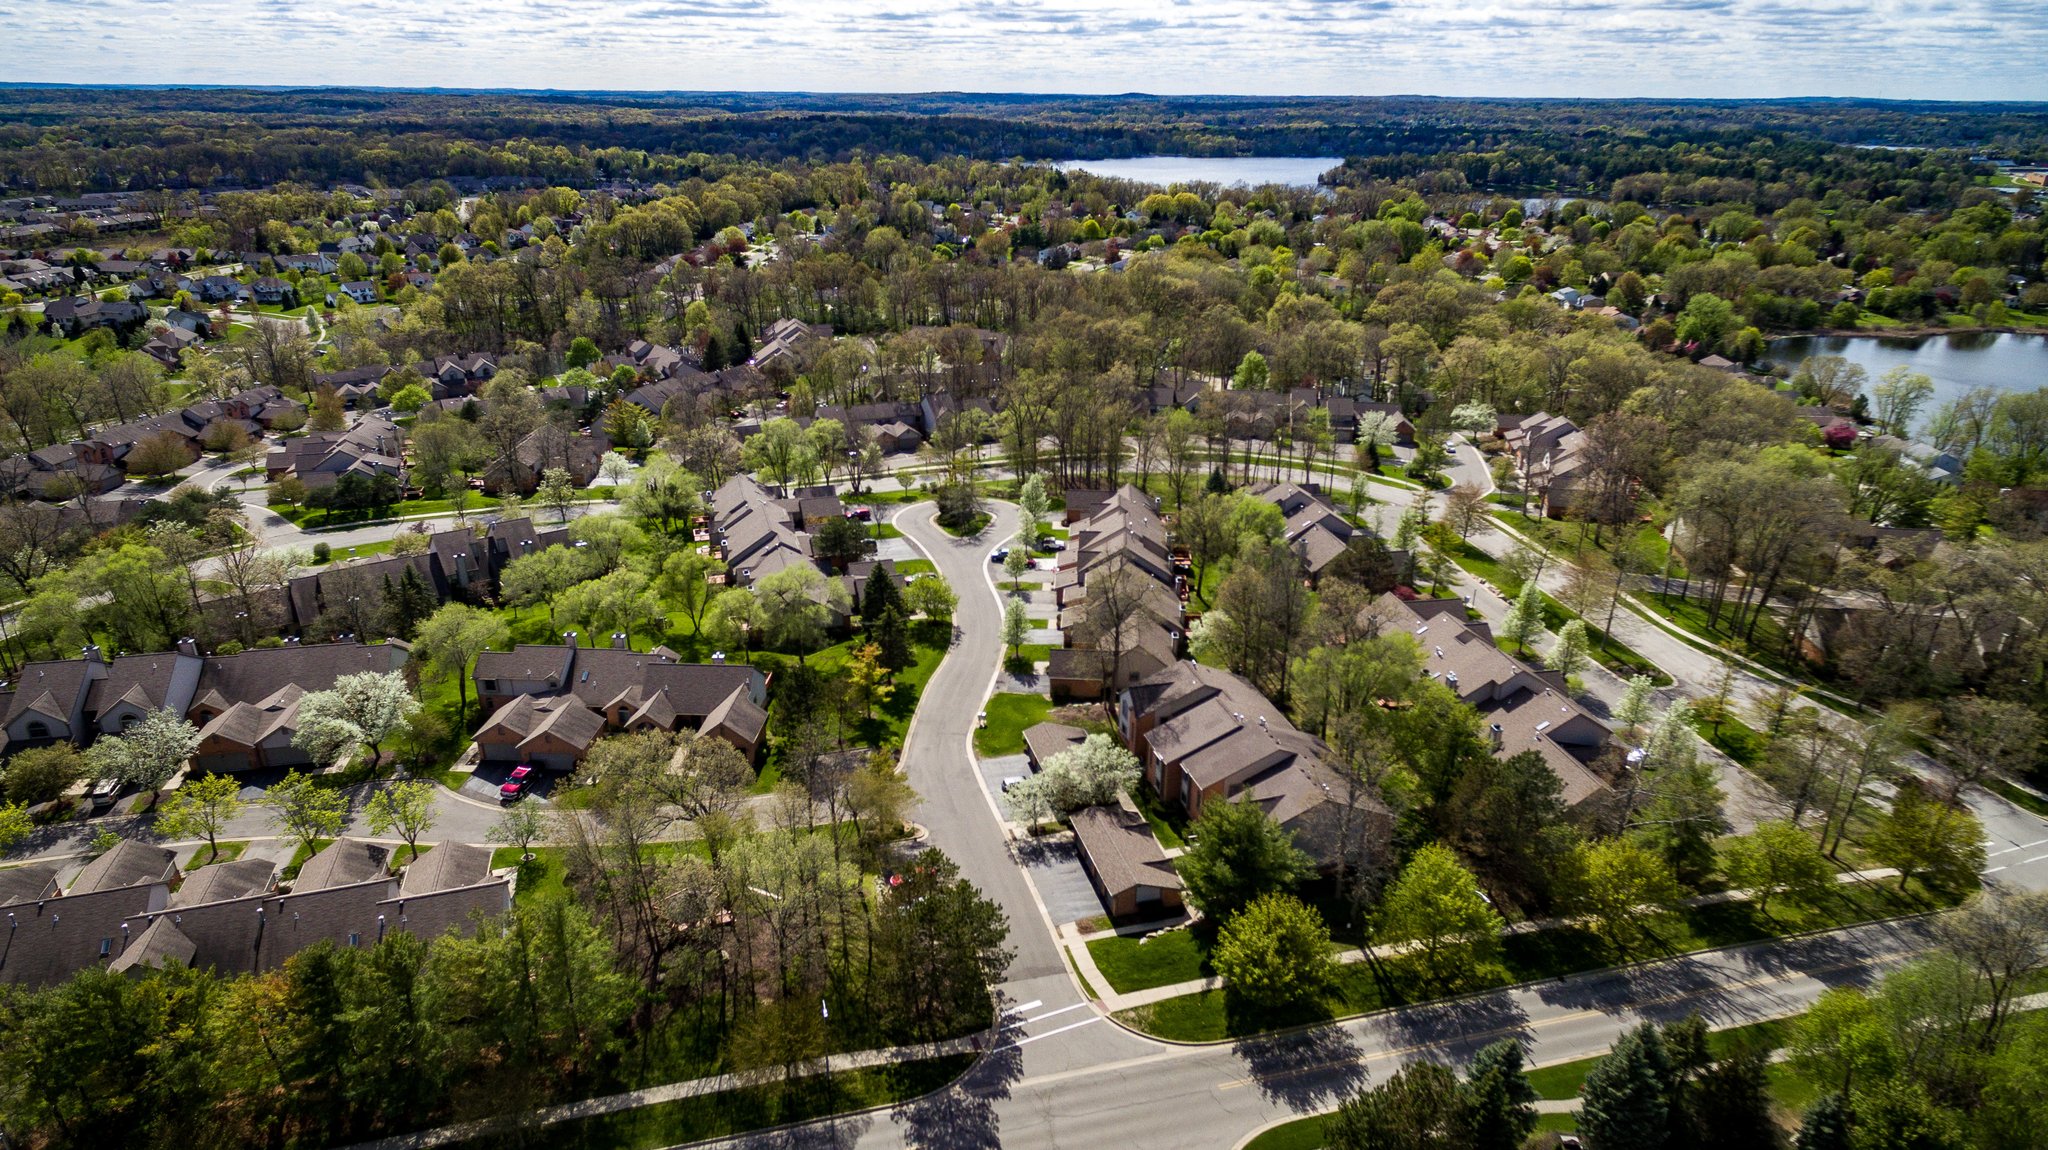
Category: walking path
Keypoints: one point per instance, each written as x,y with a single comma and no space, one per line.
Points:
1076,944
535,1120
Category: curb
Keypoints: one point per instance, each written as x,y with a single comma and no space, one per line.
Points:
1635,964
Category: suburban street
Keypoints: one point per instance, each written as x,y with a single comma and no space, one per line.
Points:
1063,1075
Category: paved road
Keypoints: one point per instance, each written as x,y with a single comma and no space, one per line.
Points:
1164,1097
962,819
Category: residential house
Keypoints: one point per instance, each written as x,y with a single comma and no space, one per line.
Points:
73,316
754,533
1524,709
533,693
361,291
1124,861
374,446
547,447
458,375
784,348
1122,538
1204,735
228,916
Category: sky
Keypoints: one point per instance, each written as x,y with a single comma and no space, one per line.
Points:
1901,49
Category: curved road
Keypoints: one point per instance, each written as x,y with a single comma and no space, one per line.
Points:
1064,1076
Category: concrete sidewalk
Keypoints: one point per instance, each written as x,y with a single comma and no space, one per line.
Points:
1111,1001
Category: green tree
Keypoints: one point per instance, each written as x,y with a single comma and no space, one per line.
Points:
521,826
1617,883
1625,1104
1434,907
1525,617
1571,654
932,597
15,825
1778,858
939,948
43,774
202,808
796,604
304,811
1016,625
1926,839
1239,854
1275,952
406,809
556,491
1015,564
582,352
1418,1108
1251,374
1499,1102
452,638
1708,321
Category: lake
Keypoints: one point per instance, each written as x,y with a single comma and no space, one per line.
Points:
1250,171
1956,363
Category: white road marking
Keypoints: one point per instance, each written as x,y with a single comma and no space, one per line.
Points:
2035,859
2006,851
1993,870
1051,1014
1034,1004
1061,1030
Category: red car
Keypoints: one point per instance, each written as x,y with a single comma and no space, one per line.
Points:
516,783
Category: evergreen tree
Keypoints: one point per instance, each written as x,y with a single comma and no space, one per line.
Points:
407,604
1500,1105
891,634
1730,1104
1826,1126
1624,1105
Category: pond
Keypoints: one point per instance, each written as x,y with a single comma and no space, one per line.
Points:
1250,171
1956,362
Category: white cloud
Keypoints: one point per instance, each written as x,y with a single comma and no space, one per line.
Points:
1962,49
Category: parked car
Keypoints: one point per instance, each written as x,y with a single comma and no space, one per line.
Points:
517,783
1050,544
999,554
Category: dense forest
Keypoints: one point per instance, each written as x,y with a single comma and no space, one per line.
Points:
65,139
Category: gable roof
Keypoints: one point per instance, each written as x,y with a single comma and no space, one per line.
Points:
446,867
221,881
129,863
343,862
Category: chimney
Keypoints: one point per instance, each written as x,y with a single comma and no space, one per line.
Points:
92,653
569,638
1494,732
188,646
618,640
718,658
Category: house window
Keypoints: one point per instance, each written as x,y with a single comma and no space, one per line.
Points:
128,721
37,729
106,947
490,684
1185,793
354,939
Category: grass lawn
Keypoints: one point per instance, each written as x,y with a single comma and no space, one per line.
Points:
1566,1079
545,875
1131,964
1009,714
299,857
1169,826
359,551
738,1111
1732,737
1213,1015
1300,1134
1557,1123
974,527
229,852
909,567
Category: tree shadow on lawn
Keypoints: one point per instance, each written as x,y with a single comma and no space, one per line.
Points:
835,1132
1305,1071
964,1114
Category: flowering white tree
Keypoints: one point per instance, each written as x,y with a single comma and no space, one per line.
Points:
365,708
148,753
1088,775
